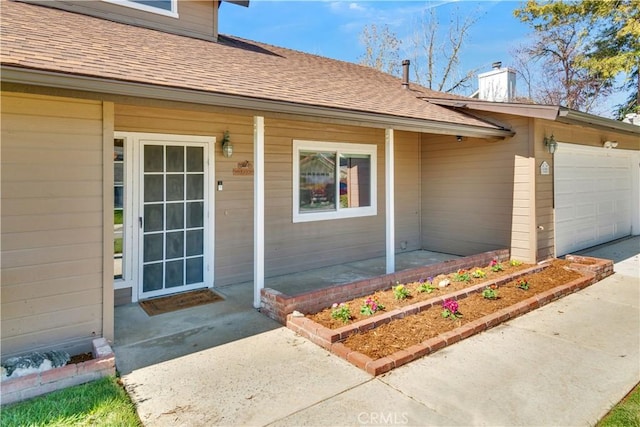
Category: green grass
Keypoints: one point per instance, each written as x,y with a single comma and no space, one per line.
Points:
99,403
624,414
117,245
117,216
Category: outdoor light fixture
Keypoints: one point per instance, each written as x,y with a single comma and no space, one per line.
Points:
551,144
610,144
459,138
227,148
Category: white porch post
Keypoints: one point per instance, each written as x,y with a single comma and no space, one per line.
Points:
258,208
389,160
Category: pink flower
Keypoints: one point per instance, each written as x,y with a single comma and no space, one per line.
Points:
450,305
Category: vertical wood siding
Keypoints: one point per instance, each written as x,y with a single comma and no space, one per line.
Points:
52,249
196,18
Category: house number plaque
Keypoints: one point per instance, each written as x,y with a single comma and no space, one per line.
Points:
544,168
244,168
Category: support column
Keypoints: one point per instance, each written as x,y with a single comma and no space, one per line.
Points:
258,208
390,223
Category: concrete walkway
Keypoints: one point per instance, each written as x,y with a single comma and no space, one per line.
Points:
564,364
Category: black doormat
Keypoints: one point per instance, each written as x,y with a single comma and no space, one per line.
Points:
179,301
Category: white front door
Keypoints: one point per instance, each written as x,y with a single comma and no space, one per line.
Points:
170,222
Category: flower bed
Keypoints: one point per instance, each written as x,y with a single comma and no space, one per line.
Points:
341,340
278,305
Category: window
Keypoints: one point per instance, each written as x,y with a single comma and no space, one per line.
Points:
162,7
118,207
332,180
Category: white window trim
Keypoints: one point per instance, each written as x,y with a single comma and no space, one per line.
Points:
173,13
128,274
339,213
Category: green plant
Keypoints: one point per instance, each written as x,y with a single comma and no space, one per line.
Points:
523,284
462,276
400,291
479,274
425,287
370,306
450,309
515,263
490,292
341,312
117,216
117,245
98,403
495,266
625,413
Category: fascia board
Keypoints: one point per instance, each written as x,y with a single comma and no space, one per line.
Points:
578,118
115,87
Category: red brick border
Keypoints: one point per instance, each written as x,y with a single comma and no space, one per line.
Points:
277,305
28,386
592,269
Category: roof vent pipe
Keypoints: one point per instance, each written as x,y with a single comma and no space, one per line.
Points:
405,73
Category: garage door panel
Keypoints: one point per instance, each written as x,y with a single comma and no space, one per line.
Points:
592,196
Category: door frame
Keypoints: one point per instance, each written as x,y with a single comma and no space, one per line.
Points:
132,233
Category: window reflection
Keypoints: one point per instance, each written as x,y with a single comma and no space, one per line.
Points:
317,181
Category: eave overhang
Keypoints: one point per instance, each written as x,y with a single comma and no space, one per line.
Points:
25,76
546,112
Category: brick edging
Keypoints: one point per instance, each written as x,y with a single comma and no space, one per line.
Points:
32,385
330,339
278,305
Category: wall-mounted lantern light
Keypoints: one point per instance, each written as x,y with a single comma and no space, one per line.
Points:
227,148
551,144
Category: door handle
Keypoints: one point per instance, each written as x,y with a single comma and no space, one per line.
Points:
140,221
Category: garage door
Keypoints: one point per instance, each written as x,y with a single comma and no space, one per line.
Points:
593,196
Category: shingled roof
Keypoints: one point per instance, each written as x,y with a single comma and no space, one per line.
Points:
47,39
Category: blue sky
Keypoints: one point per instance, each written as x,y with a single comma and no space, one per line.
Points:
332,28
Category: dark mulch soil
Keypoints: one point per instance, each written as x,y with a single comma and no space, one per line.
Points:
79,358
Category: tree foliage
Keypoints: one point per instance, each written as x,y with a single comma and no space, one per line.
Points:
382,49
435,51
608,33
436,57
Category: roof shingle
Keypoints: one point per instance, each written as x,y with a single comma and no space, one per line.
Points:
42,38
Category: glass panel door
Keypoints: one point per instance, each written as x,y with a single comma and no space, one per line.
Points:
172,218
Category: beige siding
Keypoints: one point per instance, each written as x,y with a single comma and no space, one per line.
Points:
407,191
196,18
293,247
233,205
544,183
468,191
289,247
52,225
